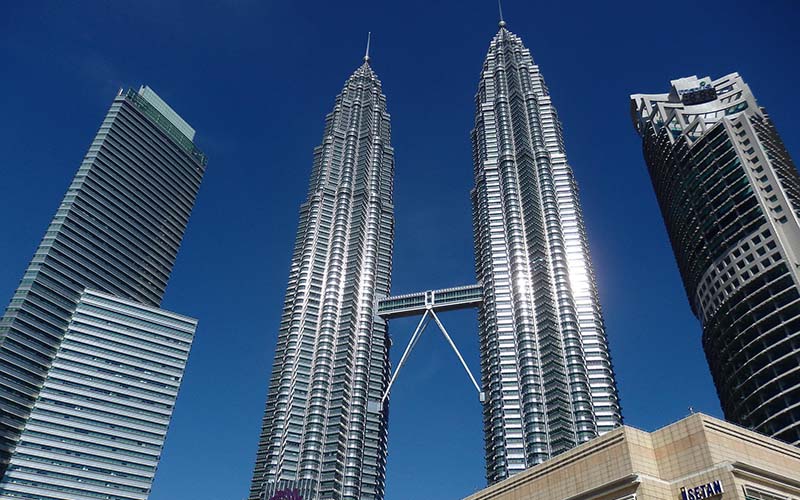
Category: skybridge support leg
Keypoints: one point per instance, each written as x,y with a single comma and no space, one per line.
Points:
423,323
453,345
429,314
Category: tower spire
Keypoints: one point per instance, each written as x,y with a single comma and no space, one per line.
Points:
366,54
502,22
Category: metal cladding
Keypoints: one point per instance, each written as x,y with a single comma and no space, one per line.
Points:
117,231
98,427
730,197
320,438
545,366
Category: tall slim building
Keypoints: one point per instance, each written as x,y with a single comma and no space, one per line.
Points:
116,232
730,197
319,440
545,366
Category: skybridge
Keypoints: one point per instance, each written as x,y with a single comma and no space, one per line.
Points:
426,304
447,299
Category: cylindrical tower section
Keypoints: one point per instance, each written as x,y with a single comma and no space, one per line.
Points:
729,195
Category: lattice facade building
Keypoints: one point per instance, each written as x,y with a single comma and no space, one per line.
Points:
730,197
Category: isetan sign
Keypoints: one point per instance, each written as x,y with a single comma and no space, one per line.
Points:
707,490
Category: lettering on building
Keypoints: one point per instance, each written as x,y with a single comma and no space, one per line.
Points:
707,490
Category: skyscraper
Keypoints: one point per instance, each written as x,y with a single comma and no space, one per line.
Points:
545,366
730,197
319,438
117,233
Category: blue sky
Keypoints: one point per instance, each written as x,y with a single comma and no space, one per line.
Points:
256,80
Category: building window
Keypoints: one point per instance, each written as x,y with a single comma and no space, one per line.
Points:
751,493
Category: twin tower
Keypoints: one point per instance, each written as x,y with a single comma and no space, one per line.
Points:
546,380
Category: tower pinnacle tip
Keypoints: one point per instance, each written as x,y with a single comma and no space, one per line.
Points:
366,54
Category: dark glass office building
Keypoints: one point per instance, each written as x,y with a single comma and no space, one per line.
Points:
730,197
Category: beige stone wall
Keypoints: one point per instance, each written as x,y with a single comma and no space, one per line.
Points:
717,450
729,443
641,452
654,489
681,448
581,469
694,451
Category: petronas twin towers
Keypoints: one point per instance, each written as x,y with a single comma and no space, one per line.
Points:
318,438
545,365
546,377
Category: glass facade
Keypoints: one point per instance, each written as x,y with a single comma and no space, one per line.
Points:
545,366
98,426
728,192
117,231
320,438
